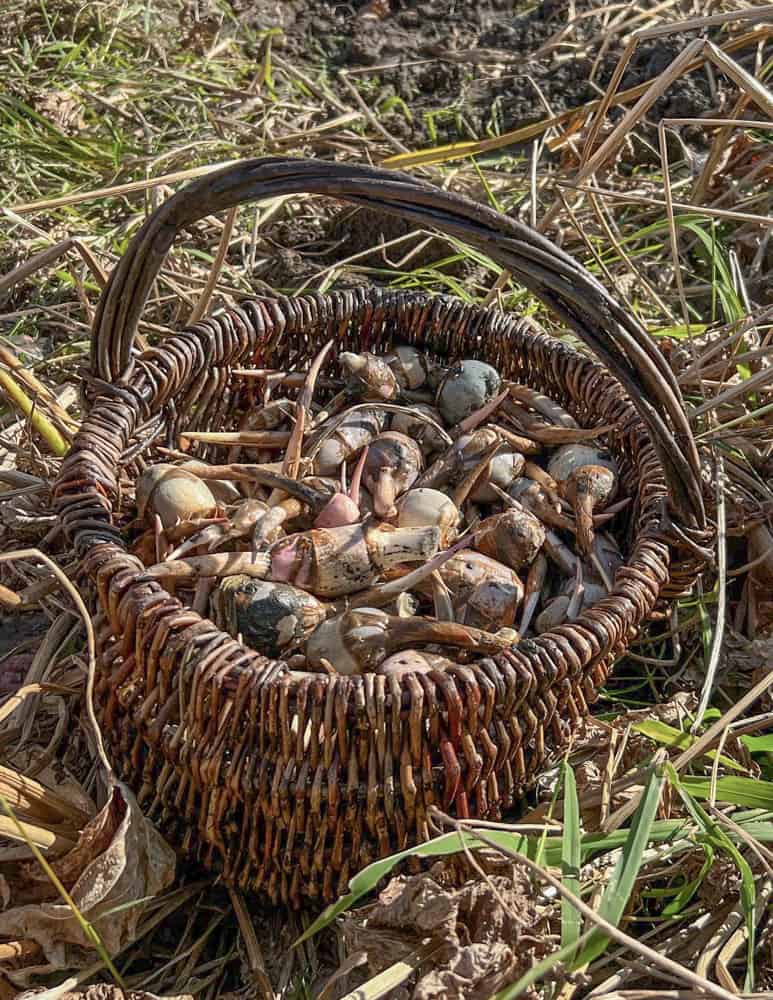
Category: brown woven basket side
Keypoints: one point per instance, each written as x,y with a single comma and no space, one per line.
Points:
290,782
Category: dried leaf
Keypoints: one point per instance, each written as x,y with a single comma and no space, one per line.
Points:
472,972
417,903
32,883
119,859
486,929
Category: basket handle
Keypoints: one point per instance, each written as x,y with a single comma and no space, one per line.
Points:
576,297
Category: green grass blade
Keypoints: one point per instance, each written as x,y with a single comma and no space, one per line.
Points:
570,859
760,831
596,843
750,792
625,872
542,843
492,198
688,890
720,839
661,732
758,744
721,279
680,331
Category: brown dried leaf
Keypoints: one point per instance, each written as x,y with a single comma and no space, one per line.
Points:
32,884
472,972
418,904
119,859
484,943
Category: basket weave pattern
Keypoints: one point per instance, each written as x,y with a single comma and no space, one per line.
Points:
290,782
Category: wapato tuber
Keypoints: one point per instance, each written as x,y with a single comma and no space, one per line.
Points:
422,516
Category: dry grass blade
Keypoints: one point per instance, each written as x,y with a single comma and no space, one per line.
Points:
257,965
753,383
19,399
462,150
763,853
43,259
90,642
718,147
714,732
749,15
611,144
10,705
42,836
320,89
91,263
58,636
678,68
118,190
753,87
606,101
250,439
638,199
719,626
36,802
217,266
388,980
672,234
373,119
36,387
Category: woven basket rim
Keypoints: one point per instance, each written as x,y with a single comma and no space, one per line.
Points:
291,314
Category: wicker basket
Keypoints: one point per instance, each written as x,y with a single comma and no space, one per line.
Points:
288,782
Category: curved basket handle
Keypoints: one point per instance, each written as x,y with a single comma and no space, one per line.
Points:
565,286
